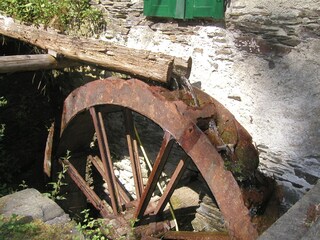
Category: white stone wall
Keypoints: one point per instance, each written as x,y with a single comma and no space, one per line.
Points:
267,54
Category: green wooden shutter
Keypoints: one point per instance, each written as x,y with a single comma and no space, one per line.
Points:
204,8
184,8
160,8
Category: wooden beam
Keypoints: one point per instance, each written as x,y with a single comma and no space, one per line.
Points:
21,63
136,63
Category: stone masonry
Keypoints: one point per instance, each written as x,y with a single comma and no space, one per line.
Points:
261,62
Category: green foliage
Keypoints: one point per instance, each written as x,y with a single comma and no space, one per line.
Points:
72,16
23,185
236,168
17,227
5,189
3,101
92,228
133,221
54,194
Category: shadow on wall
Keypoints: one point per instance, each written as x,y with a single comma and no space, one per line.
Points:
286,111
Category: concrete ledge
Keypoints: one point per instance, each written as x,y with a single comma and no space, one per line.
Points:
302,221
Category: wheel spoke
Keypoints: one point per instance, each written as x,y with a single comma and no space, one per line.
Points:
87,191
171,186
106,157
133,152
155,174
124,195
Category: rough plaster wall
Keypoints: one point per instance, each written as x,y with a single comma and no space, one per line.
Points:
267,55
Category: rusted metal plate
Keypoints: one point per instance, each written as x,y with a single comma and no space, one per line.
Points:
180,120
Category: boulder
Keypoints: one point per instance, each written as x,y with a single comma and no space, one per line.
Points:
32,203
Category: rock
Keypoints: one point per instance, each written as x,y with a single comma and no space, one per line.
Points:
208,217
31,203
300,222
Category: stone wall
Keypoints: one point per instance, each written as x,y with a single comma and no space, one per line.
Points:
262,63
280,22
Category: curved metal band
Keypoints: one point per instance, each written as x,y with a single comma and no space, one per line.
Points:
177,118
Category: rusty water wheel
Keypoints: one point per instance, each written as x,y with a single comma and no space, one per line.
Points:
84,118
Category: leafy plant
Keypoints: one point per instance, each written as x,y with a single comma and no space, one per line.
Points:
66,15
23,185
5,189
88,175
236,168
54,194
15,227
3,101
92,228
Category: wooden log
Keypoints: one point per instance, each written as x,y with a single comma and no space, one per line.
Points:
19,63
182,67
136,63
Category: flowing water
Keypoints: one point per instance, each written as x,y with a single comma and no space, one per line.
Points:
185,82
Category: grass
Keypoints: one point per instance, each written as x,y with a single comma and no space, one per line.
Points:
17,228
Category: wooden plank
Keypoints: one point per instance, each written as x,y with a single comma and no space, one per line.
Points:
20,63
136,63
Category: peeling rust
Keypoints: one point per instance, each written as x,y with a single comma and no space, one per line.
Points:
189,137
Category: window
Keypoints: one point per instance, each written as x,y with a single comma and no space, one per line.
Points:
184,9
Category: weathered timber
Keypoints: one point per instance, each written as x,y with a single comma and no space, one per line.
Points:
19,63
138,63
